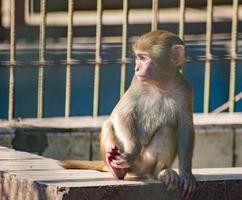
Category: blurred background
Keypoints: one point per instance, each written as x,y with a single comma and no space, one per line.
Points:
82,98
65,64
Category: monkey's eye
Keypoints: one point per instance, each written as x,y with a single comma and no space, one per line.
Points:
142,57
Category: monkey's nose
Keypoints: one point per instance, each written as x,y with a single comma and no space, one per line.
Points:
137,68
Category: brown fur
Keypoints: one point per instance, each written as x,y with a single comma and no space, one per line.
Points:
84,164
153,120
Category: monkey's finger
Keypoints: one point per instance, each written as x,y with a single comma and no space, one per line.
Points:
171,184
185,188
113,164
119,164
124,156
119,152
119,159
177,181
189,193
116,161
115,148
167,177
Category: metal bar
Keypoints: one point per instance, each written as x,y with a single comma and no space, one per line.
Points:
124,47
12,61
69,58
182,23
182,19
207,77
225,106
74,63
97,58
233,52
42,46
155,15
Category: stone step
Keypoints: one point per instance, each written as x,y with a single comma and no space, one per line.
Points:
26,176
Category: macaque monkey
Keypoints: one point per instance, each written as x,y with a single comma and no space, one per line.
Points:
153,120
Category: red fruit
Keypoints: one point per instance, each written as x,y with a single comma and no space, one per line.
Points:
119,173
112,155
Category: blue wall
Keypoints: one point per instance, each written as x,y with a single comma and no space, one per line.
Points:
82,82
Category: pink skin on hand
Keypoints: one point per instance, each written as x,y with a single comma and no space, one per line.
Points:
118,172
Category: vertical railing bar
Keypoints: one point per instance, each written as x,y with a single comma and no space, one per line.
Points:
155,15
124,47
31,10
97,58
12,61
182,23
69,58
207,77
182,19
233,55
42,46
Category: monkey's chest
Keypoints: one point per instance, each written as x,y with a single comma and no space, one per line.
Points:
154,113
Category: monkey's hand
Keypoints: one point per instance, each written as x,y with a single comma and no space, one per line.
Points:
170,178
127,158
111,157
188,184
121,161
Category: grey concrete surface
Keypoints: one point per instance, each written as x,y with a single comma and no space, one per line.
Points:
218,138
238,147
213,147
26,176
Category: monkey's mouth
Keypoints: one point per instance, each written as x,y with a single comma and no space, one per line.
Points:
142,77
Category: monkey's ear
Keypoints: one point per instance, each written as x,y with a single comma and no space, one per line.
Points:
178,55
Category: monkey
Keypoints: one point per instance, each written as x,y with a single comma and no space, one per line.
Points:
153,121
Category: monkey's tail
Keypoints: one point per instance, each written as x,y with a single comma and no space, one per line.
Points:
84,164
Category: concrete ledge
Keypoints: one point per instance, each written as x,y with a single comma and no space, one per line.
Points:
78,138
26,176
96,122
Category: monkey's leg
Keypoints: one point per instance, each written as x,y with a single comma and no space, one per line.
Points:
109,149
165,157
158,157
147,160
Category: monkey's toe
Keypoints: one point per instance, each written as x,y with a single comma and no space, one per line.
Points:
118,173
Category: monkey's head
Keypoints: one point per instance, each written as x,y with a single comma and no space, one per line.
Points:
158,51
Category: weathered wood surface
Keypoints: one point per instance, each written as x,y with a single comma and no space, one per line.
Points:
26,176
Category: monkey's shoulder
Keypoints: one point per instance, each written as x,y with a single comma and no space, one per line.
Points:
183,95
184,86
126,104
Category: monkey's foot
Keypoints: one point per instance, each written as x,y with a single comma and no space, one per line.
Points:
117,172
170,178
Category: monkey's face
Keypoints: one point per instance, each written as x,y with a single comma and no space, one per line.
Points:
144,68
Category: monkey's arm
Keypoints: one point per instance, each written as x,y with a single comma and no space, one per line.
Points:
185,136
185,142
125,132
107,137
